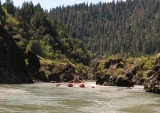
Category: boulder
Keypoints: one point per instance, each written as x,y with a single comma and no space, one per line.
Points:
124,82
150,73
62,73
136,69
152,83
54,77
112,80
138,79
102,79
32,63
41,76
34,67
128,75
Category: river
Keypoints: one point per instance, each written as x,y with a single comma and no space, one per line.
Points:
47,98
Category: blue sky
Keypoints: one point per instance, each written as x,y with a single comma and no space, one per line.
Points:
47,4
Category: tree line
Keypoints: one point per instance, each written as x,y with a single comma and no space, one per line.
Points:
127,29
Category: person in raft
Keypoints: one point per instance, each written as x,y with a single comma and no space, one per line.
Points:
76,79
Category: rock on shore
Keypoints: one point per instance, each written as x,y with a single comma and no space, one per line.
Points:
152,83
133,71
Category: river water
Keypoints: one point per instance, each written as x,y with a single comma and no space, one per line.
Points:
47,98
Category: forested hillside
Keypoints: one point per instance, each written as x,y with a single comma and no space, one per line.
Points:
130,28
37,45
32,30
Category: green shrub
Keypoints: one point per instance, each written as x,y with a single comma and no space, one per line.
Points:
120,70
108,73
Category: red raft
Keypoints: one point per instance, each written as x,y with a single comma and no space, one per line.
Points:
70,85
82,85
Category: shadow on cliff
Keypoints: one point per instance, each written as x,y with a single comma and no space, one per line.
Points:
13,69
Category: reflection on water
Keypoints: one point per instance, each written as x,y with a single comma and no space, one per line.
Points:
47,98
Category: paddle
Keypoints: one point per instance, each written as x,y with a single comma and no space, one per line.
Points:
58,85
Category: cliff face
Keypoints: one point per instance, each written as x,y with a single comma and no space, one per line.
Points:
111,73
133,71
152,83
13,68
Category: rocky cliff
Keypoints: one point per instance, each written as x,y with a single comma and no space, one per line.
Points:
152,83
129,72
13,68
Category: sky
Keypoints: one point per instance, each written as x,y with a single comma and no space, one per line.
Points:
47,4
